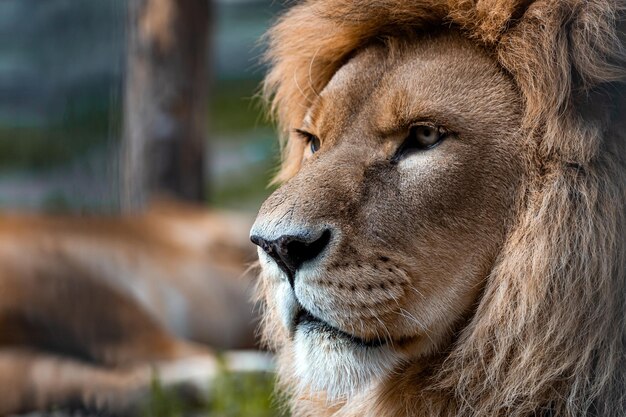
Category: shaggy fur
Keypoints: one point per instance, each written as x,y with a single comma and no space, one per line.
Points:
548,337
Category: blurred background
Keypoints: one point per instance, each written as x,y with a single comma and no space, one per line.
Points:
108,105
67,70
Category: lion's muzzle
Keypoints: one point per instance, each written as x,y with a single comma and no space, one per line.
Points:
291,251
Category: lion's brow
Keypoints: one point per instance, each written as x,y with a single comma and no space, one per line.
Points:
314,112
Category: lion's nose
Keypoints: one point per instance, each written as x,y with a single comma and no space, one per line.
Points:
290,251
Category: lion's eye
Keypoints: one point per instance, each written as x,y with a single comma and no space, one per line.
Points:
420,138
424,136
312,140
314,143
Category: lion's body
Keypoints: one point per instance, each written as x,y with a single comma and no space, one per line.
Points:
89,305
482,276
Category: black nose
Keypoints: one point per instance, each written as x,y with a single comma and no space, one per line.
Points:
290,252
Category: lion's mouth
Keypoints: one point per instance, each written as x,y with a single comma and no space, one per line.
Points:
308,322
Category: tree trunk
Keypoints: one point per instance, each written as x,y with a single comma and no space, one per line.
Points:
165,103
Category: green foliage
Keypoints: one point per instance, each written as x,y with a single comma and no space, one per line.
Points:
164,402
243,395
232,394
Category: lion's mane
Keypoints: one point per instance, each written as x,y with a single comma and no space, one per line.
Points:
549,334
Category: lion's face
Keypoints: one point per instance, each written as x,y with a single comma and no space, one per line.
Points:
375,251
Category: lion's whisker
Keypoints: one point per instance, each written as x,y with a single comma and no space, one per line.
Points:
310,71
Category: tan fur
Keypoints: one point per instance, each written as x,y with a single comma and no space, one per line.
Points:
546,335
90,307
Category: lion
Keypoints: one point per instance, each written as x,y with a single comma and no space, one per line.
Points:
93,308
449,236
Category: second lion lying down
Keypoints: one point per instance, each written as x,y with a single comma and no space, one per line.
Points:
92,307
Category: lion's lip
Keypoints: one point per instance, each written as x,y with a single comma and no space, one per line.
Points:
305,318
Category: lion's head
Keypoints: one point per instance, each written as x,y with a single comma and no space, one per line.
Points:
382,241
449,237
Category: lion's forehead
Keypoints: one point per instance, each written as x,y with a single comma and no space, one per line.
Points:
443,78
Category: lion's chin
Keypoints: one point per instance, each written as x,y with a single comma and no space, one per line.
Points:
338,366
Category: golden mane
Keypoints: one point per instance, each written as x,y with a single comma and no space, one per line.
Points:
549,334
